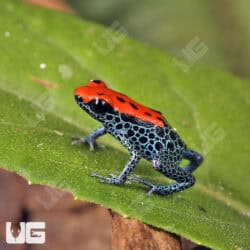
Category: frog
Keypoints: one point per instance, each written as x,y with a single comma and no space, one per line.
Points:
143,131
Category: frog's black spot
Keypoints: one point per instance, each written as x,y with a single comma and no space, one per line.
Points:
150,147
157,111
143,139
173,135
100,94
136,121
134,138
120,99
126,125
117,119
160,119
176,144
160,131
133,106
170,146
180,142
167,129
128,118
147,113
130,132
151,142
142,130
151,136
174,176
97,81
135,128
118,126
148,153
158,146
109,117
137,135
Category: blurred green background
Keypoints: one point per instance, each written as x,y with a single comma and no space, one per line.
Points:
222,25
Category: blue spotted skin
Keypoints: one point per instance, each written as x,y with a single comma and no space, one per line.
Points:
159,145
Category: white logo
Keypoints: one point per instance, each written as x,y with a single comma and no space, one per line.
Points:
29,232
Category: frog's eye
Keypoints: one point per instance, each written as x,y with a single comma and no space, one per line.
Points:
99,106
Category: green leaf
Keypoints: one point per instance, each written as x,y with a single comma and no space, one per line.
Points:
45,55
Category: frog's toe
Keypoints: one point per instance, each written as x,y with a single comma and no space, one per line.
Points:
91,147
152,190
77,140
91,143
100,177
112,176
153,187
95,175
142,181
111,179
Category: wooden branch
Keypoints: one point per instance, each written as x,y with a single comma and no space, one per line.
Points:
131,234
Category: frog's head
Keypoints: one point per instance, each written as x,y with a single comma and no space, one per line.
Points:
93,98
98,100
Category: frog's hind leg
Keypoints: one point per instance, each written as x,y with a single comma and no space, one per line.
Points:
194,158
183,180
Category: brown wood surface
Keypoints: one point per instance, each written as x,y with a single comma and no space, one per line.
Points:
70,224
130,234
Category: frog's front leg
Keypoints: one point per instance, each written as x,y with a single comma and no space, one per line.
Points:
123,176
91,139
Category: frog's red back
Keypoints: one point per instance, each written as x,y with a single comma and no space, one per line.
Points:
97,89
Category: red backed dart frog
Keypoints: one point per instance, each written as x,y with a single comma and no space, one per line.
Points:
143,131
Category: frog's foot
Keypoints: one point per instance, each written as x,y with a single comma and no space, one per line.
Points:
152,186
156,189
164,190
111,179
77,140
